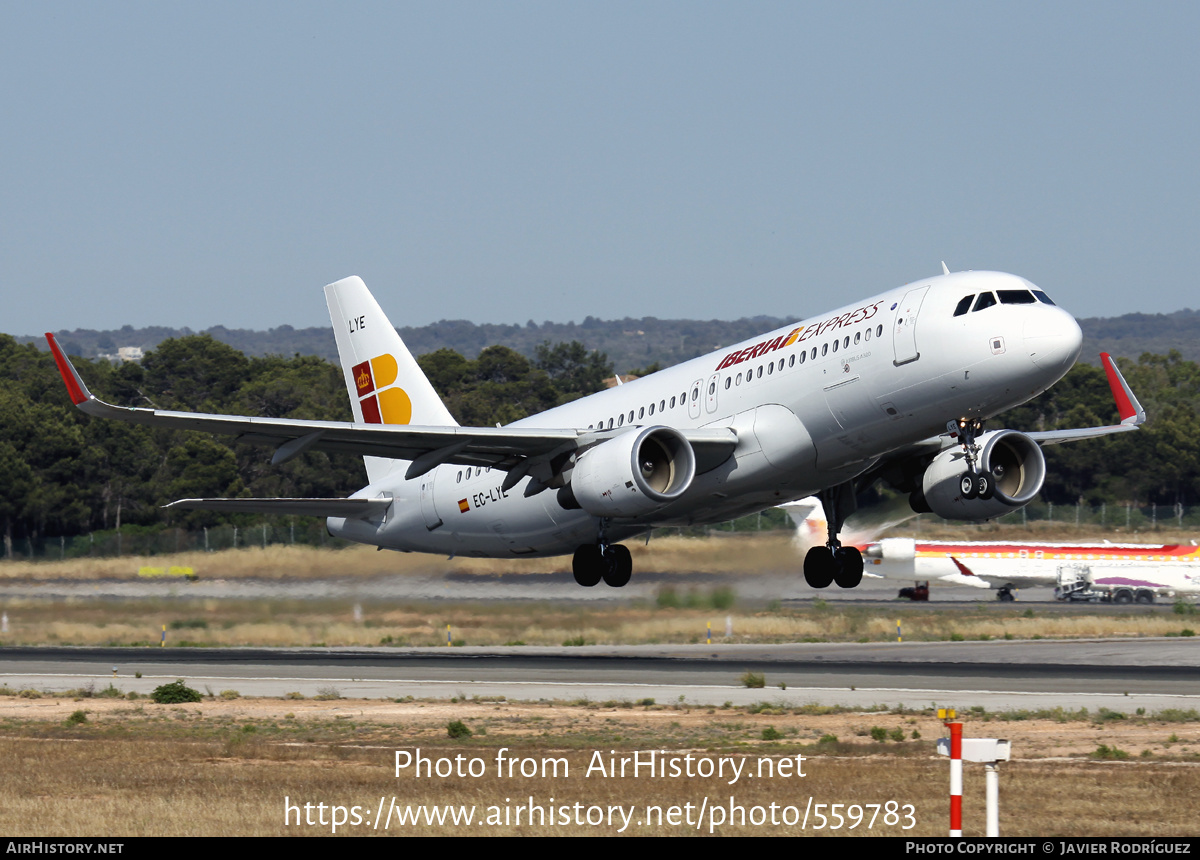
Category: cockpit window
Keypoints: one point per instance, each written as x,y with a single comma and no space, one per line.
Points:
1042,297
1015,297
964,305
985,300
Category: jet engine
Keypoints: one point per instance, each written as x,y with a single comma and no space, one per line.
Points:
633,474
1013,462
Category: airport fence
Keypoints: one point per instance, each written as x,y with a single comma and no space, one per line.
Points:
310,531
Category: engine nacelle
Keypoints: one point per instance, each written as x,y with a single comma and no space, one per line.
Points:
893,549
634,474
1013,459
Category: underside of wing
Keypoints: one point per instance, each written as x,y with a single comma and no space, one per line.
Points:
348,508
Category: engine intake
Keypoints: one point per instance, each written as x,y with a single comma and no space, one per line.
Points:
633,474
1015,462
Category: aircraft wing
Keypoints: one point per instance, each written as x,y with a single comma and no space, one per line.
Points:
1131,412
349,508
515,449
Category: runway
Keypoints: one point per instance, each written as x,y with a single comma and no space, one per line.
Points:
1152,674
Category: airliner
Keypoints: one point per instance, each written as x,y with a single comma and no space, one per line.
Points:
1126,572
895,387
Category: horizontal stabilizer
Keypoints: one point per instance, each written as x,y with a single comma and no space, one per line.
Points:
347,508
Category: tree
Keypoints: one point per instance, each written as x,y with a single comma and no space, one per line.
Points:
575,371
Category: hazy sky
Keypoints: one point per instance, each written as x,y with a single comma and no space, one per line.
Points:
194,164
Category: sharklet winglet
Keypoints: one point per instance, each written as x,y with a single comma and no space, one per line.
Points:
1128,408
75,386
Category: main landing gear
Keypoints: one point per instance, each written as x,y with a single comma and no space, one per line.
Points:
824,565
593,562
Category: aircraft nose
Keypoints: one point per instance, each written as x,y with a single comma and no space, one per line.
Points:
1053,339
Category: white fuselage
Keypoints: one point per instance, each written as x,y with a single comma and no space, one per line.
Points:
813,405
1162,568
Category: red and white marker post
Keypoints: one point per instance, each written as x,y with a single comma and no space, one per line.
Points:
990,752
955,775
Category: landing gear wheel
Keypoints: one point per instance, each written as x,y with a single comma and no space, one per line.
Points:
1004,594
849,571
968,485
1122,595
619,566
985,486
588,565
819,567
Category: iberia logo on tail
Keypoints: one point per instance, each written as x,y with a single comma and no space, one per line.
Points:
382,401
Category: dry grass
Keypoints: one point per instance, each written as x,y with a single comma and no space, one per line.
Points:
742,553
225,767
725,554
331,622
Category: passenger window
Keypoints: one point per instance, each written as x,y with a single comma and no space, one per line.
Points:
792,360
651,408
964,305
630,416
459,481
712,388
695,394
728,382
620,419
672,402
857,337
868,337
662,405
641,413
803,356
824,349
771,367
609,423
835,346
814,354
846,342
985,300
760,371
739,380
879,330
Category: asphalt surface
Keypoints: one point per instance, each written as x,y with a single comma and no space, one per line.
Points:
1121,675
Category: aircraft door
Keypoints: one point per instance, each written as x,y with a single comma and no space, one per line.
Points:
714,385
694,398
428,508
904,329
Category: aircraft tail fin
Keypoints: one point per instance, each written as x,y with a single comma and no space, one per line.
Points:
809,518
384,381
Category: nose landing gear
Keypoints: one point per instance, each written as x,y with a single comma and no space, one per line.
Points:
974,484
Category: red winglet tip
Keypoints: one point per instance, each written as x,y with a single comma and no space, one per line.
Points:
70,377
1125,407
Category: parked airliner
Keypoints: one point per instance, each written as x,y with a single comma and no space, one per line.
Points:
1128,572
894,387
